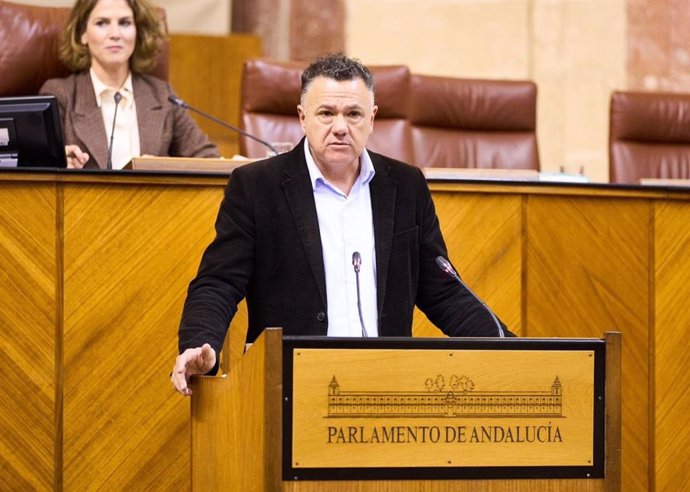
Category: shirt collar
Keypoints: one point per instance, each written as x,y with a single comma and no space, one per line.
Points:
366,170
102,90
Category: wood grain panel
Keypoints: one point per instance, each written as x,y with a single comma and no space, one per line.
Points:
235,341
28,314
587,272
449,486
483,235
241,453
671,404
133,242
206,71
130,252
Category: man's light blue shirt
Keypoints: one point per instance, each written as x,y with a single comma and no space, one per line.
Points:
346,225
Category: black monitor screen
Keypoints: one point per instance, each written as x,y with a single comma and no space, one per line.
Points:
31,132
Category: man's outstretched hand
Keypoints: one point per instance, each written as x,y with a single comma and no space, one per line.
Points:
192,361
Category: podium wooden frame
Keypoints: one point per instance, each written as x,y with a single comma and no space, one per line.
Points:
238,428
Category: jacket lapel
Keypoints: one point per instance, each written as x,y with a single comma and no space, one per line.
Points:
383,191
89,128
151,113
300,198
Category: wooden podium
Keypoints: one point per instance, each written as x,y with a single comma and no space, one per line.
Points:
437,415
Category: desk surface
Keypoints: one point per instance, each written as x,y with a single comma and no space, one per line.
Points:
654,189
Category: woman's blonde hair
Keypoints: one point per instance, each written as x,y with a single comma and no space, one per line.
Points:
150,34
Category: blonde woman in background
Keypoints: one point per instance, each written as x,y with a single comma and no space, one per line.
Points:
110,45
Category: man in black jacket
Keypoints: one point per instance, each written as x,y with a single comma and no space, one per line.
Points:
290,228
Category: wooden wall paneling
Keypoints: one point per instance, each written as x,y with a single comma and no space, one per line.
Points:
132,243
483,234
612,436
206,71
28,314
587,272
130,251
671,404
235,341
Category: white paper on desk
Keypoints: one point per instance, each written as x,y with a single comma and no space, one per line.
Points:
563,177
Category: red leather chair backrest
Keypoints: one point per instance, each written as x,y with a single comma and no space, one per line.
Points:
29,40
471,123
391,134
271,93
268,109
649,136
422,120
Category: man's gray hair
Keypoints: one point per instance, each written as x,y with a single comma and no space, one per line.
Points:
337,67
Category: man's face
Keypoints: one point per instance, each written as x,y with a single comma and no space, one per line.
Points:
337,117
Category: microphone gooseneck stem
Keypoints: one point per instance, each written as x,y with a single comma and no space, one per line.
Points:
357,263
179,102
448,269
109,162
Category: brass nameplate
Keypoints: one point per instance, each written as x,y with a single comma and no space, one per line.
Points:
398,408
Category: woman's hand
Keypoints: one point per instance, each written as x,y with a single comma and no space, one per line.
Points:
76,158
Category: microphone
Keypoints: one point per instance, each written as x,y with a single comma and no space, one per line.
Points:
357,263
118,98
448,269
179,102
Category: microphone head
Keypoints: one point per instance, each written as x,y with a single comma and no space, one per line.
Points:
177,101
118,97
356,260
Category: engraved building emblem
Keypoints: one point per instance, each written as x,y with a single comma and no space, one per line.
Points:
455,397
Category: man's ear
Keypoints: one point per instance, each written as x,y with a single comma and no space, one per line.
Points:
302,115
374,109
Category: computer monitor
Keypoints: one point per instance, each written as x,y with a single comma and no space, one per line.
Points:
31,132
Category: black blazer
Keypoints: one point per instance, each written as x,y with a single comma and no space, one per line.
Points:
268,248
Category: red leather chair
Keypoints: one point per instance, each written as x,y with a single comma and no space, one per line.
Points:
470,123
649,136
271,93
422,120
268,110
29,40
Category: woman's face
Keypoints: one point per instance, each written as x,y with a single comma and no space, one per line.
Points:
110,35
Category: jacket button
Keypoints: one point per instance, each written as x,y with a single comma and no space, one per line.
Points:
320,316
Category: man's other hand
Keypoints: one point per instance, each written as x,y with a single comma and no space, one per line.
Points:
199,360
